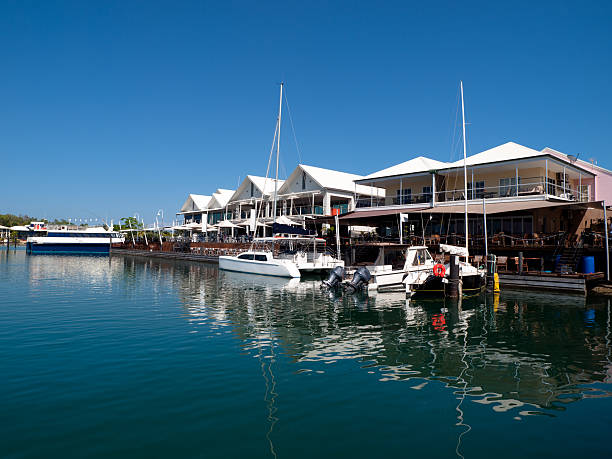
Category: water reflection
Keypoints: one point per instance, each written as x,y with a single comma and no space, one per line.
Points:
516,352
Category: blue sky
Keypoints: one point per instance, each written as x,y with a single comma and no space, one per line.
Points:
111,108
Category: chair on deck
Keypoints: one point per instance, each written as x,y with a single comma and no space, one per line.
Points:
502,261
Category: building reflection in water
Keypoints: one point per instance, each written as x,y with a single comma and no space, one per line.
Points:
518,353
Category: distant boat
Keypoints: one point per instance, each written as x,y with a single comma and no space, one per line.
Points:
71,240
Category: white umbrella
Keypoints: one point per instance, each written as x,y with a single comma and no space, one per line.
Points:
283,220
226,224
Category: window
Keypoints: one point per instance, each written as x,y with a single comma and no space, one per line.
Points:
246,256
507,186
551,185
261,258
420,257
303,180
476,190
404,196
252,189
427,194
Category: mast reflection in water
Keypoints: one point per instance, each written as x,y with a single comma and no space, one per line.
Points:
193,361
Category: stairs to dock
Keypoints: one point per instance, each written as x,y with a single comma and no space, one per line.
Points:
569,258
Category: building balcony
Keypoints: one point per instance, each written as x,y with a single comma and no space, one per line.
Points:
529,188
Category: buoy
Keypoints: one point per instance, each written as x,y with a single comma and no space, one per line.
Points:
439,270
496,283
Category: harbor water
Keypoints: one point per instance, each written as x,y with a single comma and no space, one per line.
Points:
129,357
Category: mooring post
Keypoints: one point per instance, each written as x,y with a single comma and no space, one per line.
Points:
607,247
520,263
452,286
491,270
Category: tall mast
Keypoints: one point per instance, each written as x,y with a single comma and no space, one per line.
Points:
280,110
465,190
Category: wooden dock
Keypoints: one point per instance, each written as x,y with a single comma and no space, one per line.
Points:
567,283
166,255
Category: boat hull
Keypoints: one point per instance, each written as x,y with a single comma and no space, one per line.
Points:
265,268
68,248
434,286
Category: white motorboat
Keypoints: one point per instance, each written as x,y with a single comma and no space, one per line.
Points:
418,266
283,256
259,262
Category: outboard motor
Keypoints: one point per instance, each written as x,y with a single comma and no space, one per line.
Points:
335,277
360,279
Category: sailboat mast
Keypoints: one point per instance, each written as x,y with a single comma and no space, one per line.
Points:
280,111
465,190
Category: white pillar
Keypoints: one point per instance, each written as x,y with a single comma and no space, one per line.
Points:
516,179
401,192
546,179
433,190
607,246
472,187
326,204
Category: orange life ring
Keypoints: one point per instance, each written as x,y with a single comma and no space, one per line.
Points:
439,270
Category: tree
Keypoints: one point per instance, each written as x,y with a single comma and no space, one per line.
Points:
131,222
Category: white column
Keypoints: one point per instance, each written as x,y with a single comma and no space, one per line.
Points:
371,194
433,190
473,197
401,192
516,179
607,247
546,179
326,204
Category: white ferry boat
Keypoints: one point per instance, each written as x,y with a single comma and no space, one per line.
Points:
71,239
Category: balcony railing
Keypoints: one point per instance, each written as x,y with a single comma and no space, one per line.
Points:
529,186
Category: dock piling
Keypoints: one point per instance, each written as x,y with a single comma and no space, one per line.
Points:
452,289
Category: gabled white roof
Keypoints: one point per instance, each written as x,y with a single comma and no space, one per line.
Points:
196,202
335,180
265,186
506,152
413,166
220,198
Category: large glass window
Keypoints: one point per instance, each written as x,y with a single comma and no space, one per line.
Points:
404,196
507,186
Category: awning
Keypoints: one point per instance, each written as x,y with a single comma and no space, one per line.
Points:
19,228
379,212
501,207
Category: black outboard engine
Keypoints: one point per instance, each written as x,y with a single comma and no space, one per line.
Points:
335,277
360,279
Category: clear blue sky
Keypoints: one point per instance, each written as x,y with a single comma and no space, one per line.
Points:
111,108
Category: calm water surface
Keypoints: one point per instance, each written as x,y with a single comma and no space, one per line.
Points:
128,357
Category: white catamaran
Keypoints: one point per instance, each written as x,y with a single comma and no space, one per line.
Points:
290,252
